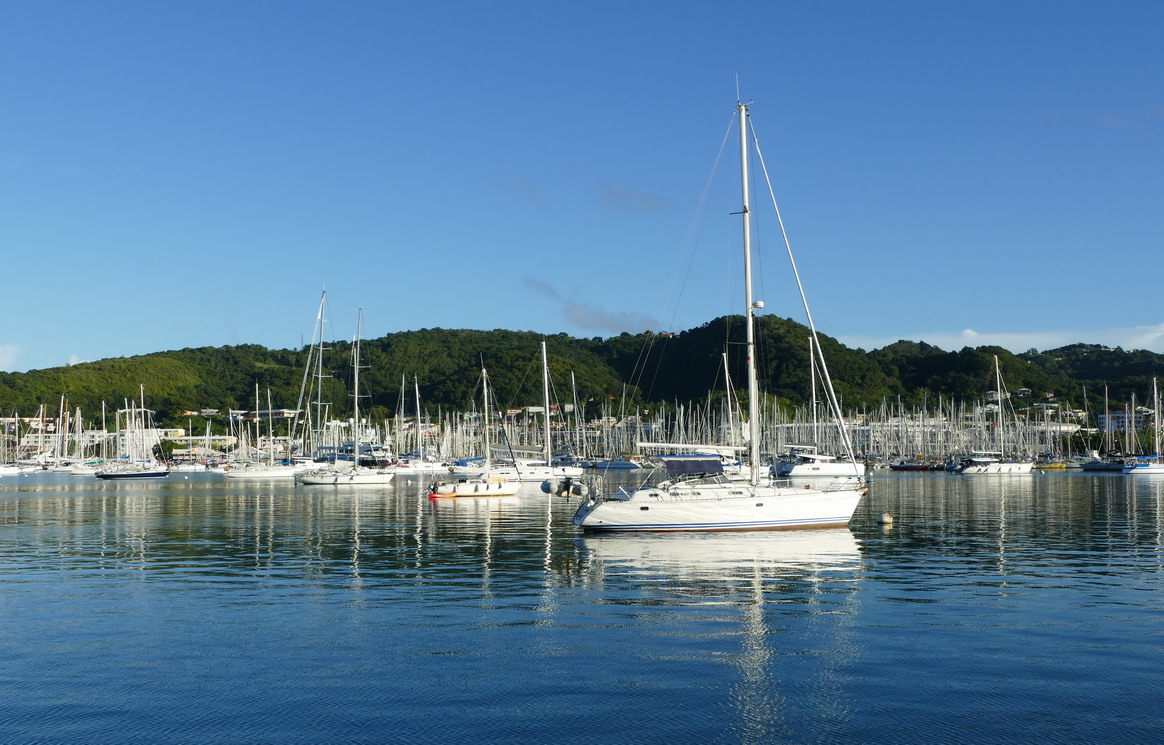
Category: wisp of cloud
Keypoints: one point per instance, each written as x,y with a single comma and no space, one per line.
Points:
589,317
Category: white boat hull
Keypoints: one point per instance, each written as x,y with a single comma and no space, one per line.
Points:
1155,469
492,487
262,473
423,467
721,507
535,474
345,477
997,468
187,468
819,470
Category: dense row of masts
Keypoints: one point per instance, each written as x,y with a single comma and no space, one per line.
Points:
592,431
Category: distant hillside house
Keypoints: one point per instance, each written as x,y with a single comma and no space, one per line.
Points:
276,414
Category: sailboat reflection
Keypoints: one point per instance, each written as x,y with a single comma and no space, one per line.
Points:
725,555
781,612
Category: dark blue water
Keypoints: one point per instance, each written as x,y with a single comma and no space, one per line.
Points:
198,610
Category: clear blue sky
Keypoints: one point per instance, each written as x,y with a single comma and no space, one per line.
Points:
183,174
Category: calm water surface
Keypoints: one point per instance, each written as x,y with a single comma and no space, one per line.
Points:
198,610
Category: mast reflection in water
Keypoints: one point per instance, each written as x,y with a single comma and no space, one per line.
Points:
200,609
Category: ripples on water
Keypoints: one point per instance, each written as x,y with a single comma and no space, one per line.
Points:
201,610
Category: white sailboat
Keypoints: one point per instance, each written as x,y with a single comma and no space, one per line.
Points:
707,501
136,458
421,465
343,474
300,434
803,461
1153,465
485,483
996,462
269,468
421,461
532,470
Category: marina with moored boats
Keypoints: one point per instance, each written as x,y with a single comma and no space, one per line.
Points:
889,439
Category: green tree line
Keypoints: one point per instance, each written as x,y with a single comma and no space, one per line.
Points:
628,371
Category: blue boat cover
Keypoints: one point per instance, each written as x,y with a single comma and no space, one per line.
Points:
687,465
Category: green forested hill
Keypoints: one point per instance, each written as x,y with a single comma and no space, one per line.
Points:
639,369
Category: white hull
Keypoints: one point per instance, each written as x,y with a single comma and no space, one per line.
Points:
345,476
466,471
818,470
426,467
491,487
1155,469
262,473
803,461
535,474
720,507
532,472
187,468
997,468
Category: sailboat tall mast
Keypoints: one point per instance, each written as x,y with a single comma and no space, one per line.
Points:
548,445
753,383
1156,422
999,428
356,390
488,419
302,406
419,433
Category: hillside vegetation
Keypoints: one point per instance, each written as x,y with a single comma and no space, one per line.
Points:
629,370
